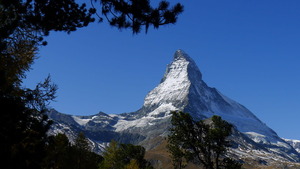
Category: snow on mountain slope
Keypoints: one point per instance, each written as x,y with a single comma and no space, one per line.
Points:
183,89
294,143
182,85
173,87
81,121
147,120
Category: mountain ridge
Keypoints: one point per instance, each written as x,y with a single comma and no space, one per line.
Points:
180,89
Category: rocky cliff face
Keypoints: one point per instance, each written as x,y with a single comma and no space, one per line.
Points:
181,88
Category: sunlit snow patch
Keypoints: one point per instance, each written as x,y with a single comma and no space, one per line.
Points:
81,121
148,119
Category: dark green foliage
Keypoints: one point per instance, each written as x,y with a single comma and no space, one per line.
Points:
134,14
229,163
202,142
81,143
16,56
58,153
42,16
39,17
62,155
82,156
119,156
23,123
23,127
23,25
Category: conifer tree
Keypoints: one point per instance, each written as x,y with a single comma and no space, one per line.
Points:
202,142
135,14
58,153
23,25
61,154
23,124
83,157
81,143
119,156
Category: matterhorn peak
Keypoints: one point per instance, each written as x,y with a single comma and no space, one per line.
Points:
175,85
181,89
180,54
183,63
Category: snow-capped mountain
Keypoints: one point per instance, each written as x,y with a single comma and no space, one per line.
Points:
181,88
294,143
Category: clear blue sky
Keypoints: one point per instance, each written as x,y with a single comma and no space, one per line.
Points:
248,49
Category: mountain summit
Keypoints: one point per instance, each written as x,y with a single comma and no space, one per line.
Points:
181,88
175,84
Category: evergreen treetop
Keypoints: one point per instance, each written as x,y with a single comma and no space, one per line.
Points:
202,142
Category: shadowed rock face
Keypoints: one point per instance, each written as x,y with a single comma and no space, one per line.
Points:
181,88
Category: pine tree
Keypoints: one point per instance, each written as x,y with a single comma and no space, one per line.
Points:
23,125
119,156
202,142
23,25
83,157
58,153
135,14
111,156
61,154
